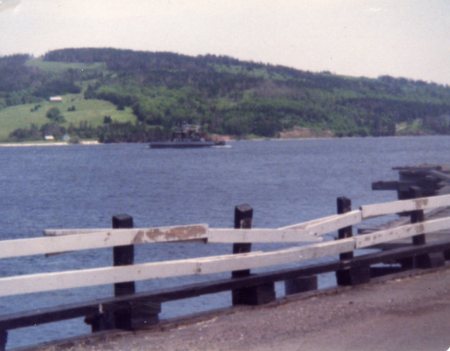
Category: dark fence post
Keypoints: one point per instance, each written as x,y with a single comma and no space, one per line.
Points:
417,216
124,315
243,217
343,276
352,275
3,339
344,205
434,259
123,255
130,315
300,284
118,316
254,295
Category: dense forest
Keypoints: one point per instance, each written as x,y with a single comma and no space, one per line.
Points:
224,95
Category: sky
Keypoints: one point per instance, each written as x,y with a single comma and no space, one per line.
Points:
400,38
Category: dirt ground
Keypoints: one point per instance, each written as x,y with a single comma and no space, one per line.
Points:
410,312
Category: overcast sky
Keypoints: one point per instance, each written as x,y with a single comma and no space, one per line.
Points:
401,38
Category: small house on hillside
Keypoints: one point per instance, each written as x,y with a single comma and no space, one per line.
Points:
55,99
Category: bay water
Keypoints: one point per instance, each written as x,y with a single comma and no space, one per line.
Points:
79,186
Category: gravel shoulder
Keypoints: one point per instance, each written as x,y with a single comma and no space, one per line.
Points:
410,312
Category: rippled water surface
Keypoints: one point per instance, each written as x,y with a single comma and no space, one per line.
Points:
83,186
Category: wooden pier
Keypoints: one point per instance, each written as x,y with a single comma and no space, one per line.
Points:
429,179
311,240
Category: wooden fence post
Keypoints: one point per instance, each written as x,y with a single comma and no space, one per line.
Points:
243,217
434,259
351,275
416,216
254,295
300,284
3,339
130,315
117,316
123,255
124,315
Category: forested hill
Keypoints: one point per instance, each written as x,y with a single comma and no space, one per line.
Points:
225,95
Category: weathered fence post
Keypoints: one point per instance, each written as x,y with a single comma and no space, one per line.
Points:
352,275
429,260
111,318
124,315
300,284
122,256
416,216
130,315
243,217
117,316
254,295
343,276
3,339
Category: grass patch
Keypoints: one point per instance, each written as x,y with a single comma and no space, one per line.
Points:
414,127
59,67
92,111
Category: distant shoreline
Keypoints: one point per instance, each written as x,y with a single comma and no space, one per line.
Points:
229,140
45,144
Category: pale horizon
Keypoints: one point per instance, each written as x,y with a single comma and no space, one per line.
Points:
405,38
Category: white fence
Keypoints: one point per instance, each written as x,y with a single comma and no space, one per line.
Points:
311,232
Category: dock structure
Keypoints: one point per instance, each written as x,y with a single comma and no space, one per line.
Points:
429,179
315,250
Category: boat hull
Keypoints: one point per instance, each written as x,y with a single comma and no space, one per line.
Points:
184,144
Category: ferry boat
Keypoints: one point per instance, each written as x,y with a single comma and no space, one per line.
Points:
188,136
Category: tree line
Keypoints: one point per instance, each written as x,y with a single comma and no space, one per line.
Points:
226,95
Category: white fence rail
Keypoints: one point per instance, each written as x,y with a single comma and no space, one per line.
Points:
423,203
80,239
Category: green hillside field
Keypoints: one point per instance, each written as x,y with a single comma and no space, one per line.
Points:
91,111
61,67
